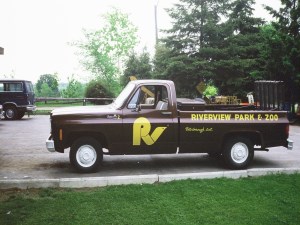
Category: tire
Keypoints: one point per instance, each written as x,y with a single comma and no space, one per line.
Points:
20,115
86,155
10,113
238,153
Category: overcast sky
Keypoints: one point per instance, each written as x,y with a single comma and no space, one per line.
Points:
35,33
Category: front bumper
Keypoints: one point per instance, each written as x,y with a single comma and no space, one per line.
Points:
290,144
31,108
50,144
27,108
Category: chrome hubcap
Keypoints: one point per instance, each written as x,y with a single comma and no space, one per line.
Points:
9,113
239,152
86,156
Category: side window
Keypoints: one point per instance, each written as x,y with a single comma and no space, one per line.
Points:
150,97
1,87
18,87
13,87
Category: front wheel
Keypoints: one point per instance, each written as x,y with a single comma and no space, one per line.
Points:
86,154
238,153
10,113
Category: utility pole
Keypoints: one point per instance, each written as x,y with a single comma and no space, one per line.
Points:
155,18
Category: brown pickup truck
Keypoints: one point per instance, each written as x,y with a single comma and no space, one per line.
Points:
147,118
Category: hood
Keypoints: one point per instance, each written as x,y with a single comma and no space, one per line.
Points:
84,110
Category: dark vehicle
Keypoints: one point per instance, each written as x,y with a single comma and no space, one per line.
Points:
16,98
147,118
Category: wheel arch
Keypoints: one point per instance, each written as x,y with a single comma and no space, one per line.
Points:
98,136
254,136
8,104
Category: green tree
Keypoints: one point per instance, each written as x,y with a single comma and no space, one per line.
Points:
51,87
104,51
240,59
197,25
161,61
216,42
286,31
196,35
241,20
180,68
45,91
74,89
138,65
274,54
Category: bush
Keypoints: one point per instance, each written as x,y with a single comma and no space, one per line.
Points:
74,89
210,91
95,89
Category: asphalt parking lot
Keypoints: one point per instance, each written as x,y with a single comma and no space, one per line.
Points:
23,155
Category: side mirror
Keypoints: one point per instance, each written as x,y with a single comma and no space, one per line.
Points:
132,106
137,108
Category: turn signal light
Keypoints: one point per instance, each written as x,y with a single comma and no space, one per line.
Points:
60,135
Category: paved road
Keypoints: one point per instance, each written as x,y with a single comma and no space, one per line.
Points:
23,155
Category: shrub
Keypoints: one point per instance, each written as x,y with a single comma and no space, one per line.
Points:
95,89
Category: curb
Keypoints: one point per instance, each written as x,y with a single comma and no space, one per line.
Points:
89,182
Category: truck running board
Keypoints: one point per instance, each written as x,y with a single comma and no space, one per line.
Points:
261,149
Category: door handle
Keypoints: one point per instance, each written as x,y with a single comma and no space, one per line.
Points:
166,113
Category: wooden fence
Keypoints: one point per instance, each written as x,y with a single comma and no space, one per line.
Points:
84,101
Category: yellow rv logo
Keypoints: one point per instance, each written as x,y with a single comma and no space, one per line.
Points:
141,131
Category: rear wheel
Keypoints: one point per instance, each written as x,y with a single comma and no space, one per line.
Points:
10,113
238,153
86,154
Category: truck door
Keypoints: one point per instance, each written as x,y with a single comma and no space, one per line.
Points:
149,122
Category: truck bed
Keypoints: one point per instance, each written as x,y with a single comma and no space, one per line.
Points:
198,104
211,128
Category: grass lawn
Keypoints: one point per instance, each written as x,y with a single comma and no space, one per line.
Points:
264,200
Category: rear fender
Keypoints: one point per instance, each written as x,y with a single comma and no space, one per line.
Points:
254,136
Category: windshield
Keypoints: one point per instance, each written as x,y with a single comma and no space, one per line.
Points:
124,95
